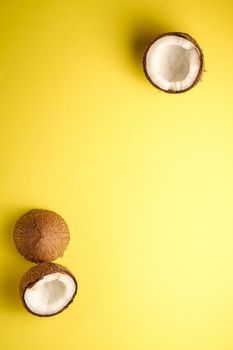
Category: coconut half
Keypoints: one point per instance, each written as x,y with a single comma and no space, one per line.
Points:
174,62
41,235
47,289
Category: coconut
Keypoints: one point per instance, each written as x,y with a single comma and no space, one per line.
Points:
41,235
47,289
174,62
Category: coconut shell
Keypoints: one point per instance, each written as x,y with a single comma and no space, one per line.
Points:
41,235
201,56
35,273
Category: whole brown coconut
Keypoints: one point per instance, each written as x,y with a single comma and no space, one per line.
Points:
41,235
47,289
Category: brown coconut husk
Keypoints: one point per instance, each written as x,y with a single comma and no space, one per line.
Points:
41,235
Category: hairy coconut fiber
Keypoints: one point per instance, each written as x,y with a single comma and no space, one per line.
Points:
41,235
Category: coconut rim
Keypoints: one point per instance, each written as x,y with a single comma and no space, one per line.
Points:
63,270
201,56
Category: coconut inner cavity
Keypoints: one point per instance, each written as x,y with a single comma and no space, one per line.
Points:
173,63
50,294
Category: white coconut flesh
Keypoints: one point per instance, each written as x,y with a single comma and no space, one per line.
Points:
173,63
50,294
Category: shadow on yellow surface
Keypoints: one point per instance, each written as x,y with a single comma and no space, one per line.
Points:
13,264
136,30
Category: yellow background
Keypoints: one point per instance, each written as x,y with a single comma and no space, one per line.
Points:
143,178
